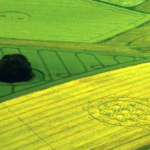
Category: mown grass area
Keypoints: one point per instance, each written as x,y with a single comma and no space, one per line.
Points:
67,116
70,21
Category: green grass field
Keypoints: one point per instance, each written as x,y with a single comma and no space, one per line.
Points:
70,21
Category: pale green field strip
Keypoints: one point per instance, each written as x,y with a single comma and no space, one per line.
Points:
126,3
73,21
57,117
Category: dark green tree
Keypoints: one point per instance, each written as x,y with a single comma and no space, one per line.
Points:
15,68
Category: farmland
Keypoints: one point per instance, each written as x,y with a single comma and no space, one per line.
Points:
64,117
53,66
135,40
91,66
23,20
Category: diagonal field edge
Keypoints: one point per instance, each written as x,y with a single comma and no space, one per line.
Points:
74,95
15,102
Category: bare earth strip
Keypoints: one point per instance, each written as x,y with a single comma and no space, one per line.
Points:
78,114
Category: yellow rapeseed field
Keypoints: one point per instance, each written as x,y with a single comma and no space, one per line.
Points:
105,111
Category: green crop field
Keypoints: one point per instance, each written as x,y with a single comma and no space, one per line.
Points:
134,41
84,114
73,21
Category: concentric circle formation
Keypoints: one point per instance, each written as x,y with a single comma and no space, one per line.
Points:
120,111
14,15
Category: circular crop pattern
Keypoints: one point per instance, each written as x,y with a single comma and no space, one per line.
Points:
123,112
14,15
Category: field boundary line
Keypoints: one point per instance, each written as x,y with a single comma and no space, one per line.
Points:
28,126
